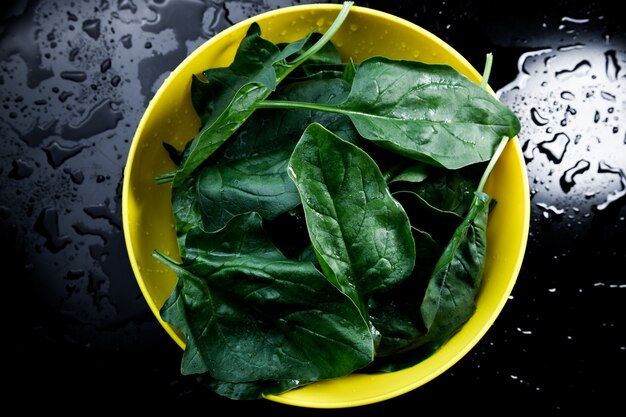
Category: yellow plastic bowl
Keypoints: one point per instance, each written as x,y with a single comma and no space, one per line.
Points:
146,208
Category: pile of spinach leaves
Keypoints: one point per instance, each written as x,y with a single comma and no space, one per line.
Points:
330,215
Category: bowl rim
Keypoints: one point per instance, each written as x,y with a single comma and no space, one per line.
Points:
286,398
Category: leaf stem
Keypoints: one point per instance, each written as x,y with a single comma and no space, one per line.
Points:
165,178
492,163
487,71
175,266
326,37
302,105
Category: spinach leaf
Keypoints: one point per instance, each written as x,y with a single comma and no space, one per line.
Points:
186,210
249,314
451,293
439,224
360,233
253,75
446,190
396,313
428,112
414,172
425,310
249,173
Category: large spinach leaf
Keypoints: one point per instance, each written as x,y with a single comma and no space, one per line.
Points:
360,232
429,112
249,314
249,173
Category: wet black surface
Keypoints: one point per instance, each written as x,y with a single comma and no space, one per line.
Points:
75,78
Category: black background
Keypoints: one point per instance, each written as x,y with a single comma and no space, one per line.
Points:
75,78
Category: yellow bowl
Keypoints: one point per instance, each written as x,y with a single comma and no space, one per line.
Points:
146,207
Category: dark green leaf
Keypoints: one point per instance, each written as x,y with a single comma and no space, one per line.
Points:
439,224
258,68
451,293
446,190
429,112
396,313
360,232
249,173
249,314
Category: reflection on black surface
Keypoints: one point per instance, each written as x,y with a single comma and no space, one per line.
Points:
75,78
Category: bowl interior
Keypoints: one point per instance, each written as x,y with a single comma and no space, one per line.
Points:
148,222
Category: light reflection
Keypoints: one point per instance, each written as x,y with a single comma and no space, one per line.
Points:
571,101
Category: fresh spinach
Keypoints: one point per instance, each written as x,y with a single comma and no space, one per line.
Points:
431,113
330,215
360,233
249,313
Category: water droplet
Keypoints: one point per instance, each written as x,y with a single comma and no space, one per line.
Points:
74,274
579,70
550,211
127,41
47,225
555,148
35,136
528,148
616,195
64,96
73,53
100,118
607,96
57,153
537,117
105,65
567,179
126,5
101,211
612,66
76,76
92,28
76,175
20,169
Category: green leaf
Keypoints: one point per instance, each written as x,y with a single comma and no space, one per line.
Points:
186,210
213,91
360,233
396,313
249,173
446,190
428,112
439,224
258,68
250,314
423,312
258,184
451,293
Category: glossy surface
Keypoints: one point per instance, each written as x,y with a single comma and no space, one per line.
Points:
75,80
